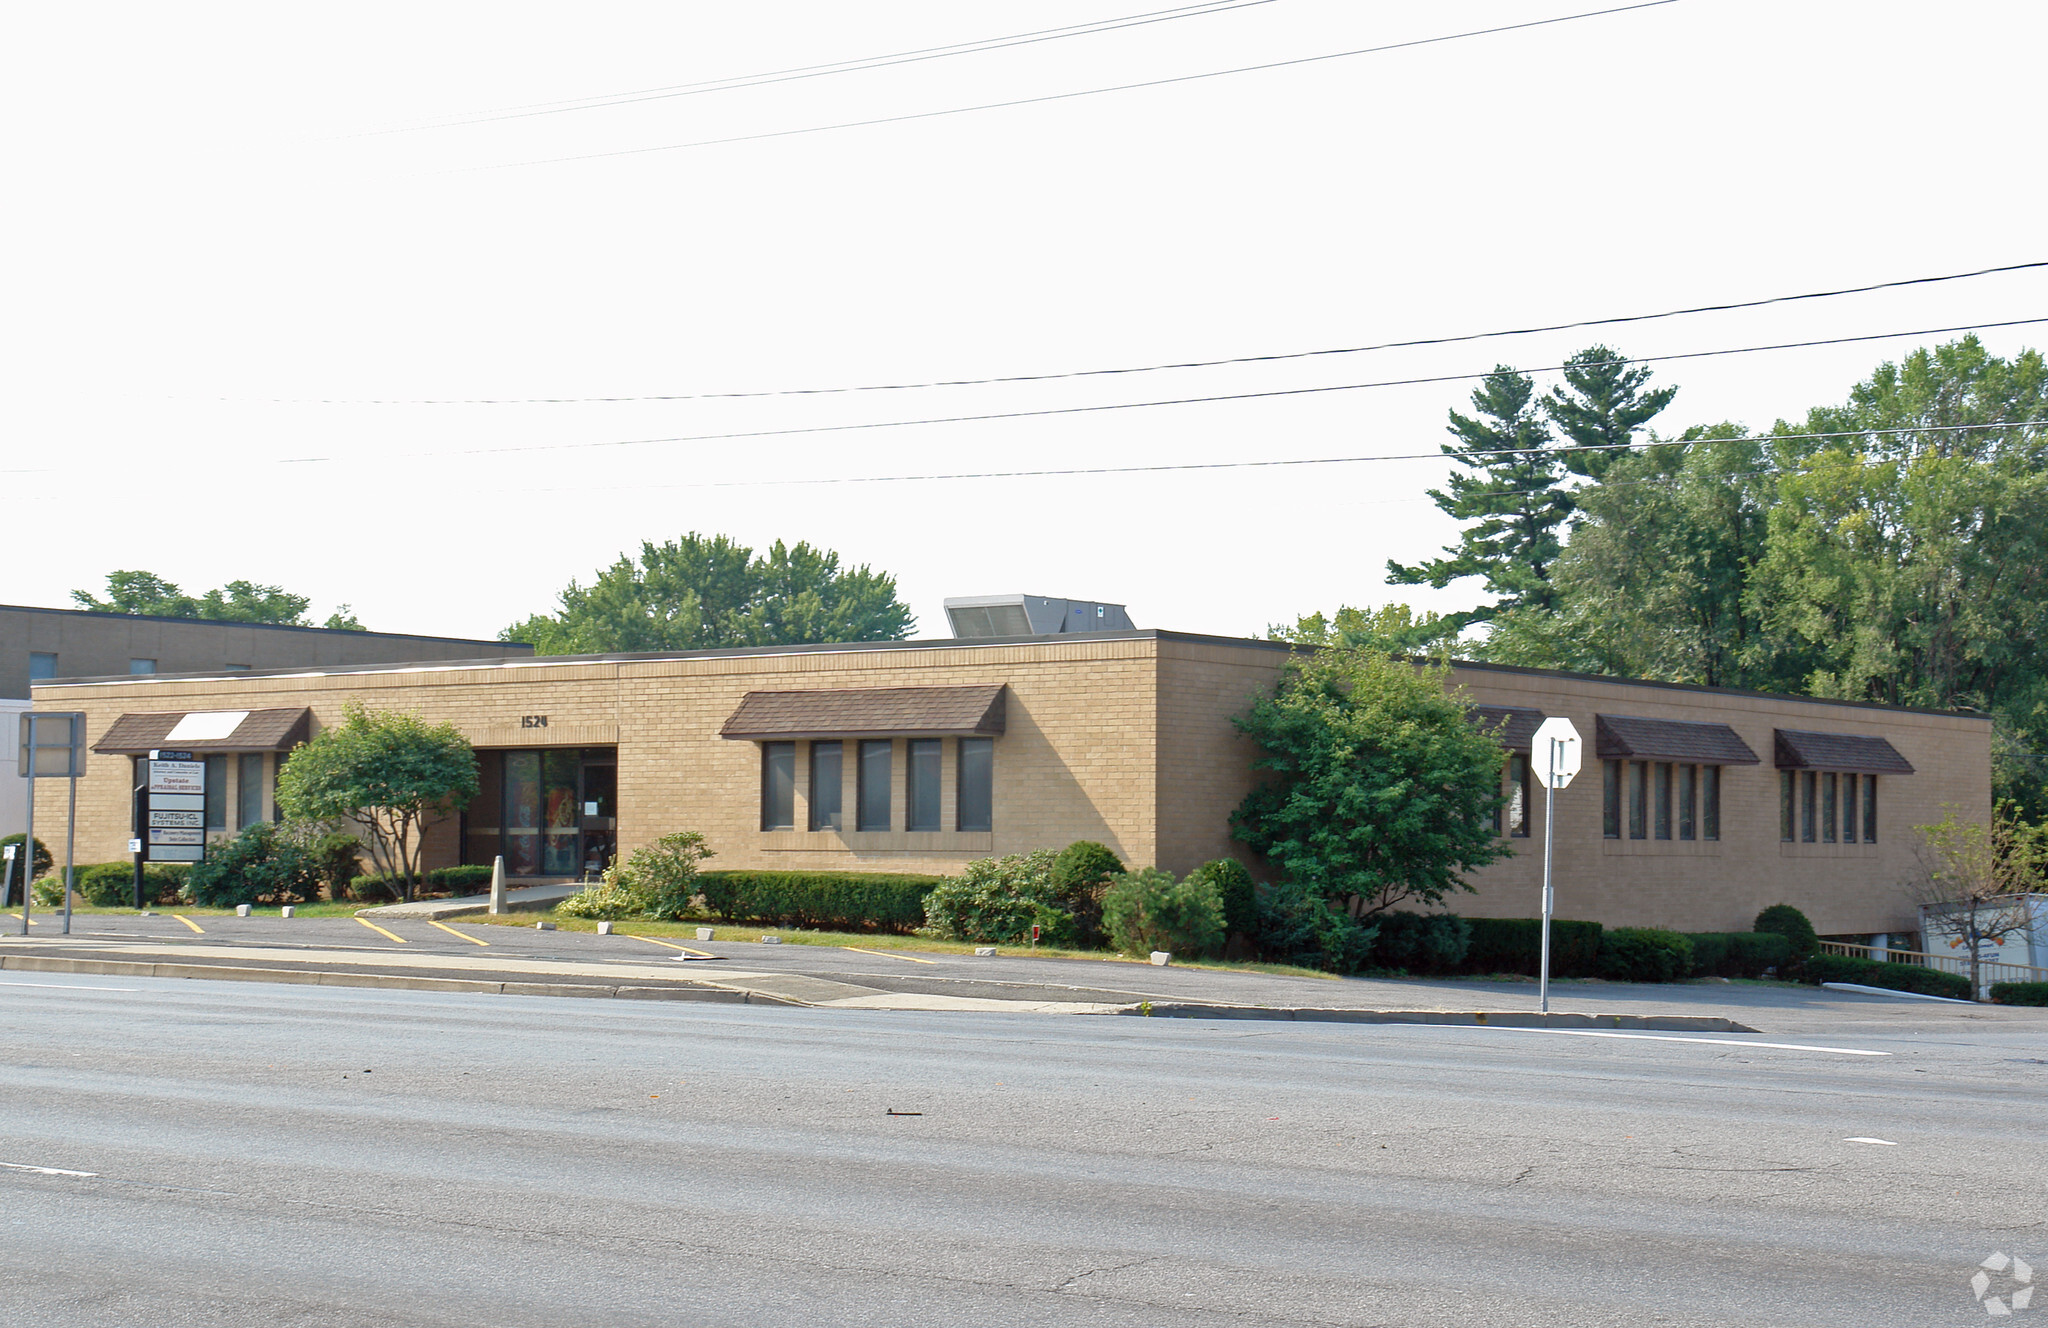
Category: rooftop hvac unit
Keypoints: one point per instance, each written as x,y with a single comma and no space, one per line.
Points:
1032,615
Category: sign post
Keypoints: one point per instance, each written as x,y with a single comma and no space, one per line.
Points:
1554,752
52,747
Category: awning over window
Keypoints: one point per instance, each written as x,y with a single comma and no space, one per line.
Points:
1625,737
876,712
1839,751
1514,726
274,730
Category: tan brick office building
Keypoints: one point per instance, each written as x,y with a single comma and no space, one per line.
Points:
1696,808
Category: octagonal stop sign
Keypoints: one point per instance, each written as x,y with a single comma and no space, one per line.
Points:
1554,752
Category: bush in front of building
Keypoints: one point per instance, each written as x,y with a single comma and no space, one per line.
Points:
112,884
260,863
1235,888
1147,910
338,859
1081,874
1514,945
998,901
1788,922
1422,942
1644,954
43,861
1299,925
469,879
2019,993
1738,954
823,900
667,870
1887,974
617,895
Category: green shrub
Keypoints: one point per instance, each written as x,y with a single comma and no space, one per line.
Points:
1082,872
337,860
1298,925
1888,974
1148,910
2019,993
825,900
1738,954
667,871
1421,942
49,892
259,863
112,884
1791,924
1644,954
998,900
370,890
1514,945
1240,897
617,894
42,852
469,879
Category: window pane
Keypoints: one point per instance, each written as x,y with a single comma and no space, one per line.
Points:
41,664
1827,808
249,790
825,788
1610,805
922,793
1870,809
522,813
778,786
1809,785
977,784
1688,800
1849,818
486,818
1638,800
142,666
1663,799
1710,799
1788,805
216,792
873,778
1518,795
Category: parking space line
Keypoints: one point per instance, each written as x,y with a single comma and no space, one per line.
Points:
1711,1041
452,932
190,923
31,922
656,940
380,931
908,959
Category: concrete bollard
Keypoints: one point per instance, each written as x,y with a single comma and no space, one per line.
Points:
545,924
1161,958
705,933
984,952
498,885
241,910
285,912
604,928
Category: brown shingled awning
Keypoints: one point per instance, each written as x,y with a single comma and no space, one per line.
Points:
1626,737
274,730
1514,726
1839,751
868,711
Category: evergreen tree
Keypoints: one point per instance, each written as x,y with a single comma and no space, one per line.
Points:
1512,501
1601,407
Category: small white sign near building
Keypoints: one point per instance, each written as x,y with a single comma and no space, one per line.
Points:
1554,752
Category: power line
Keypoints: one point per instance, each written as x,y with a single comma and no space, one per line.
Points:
1158,368
1085,92
829,68
1178,401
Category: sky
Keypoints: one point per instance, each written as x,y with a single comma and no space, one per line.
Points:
329,297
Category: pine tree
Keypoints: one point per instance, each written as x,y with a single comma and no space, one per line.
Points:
1602,406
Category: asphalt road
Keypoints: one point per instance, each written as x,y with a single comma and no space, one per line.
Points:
296,1156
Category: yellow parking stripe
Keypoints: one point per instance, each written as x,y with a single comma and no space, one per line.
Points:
452,932
656,940
380,931
31,922
884,954
190,923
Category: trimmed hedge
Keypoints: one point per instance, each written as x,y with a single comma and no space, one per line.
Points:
112,884
1514,945
2019,993
472,879
827,901
1423,942
1739,954
1644,954
1888,974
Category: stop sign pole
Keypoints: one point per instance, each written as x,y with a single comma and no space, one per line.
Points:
1555,746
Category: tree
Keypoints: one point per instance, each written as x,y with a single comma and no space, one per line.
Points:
1381,791
1601,407
138,592
389,772
1391,629
700,593
1513,502
1975,879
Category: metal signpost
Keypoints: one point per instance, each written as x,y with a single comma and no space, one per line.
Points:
52,747
1554,752
170,811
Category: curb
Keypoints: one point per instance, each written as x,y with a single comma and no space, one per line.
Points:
1673,1023
1862,990
314,978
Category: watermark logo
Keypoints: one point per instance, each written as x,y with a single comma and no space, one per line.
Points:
2017,1275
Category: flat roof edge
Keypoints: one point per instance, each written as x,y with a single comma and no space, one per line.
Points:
268,627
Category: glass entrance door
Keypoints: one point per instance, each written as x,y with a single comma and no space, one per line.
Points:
550,811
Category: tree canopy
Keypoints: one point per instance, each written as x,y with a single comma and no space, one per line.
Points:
708,592
139,592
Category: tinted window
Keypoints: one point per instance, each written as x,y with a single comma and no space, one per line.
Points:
142,666
216,792
923,755
42,664
825,762
874,785
1610,807
249,790
977,783
778,786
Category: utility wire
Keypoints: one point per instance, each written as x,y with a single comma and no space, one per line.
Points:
827,69
1157,368
1179,401
1066,96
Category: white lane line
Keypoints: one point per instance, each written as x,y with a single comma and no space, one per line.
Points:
46,1171
1668,1037
1863,1139
63,986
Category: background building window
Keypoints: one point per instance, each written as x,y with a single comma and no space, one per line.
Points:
977,784
216,793
42,664
1870,809
778,786
1710,802
248,790
236,668
1788,805
1850,823
871,806
1663,799
1688,801
1610,804
1638,800
921,792
1809,790
1827,807
142,666
825,791
1518,795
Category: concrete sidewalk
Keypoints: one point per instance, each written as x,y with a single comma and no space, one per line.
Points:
526,899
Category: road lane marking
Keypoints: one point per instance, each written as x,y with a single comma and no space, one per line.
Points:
31,922
656,940
452,932
1861,1139
46,1171
190,923
380,931
909,959
1668,1037
62,986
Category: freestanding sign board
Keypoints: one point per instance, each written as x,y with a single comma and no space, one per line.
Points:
52,747
1554,755
170,810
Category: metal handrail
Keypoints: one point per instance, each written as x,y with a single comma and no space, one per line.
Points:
1990,970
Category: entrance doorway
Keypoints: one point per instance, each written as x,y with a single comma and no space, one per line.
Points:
551,811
